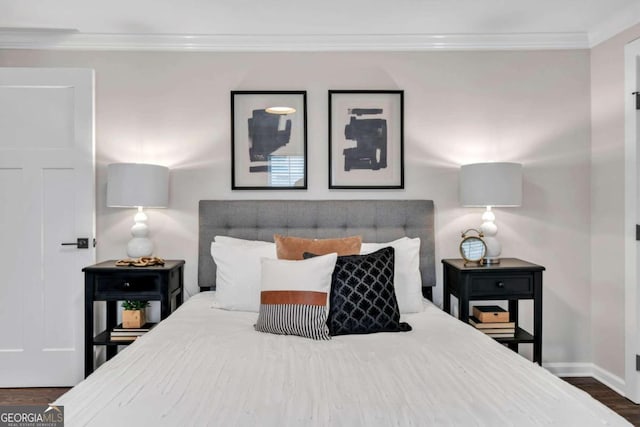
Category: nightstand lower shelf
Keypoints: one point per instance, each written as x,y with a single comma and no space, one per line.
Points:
521,337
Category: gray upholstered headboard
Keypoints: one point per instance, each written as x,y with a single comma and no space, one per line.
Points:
376,221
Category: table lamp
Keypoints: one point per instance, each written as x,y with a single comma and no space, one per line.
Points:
141,186
491,185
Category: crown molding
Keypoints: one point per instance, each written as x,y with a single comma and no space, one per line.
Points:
12,39
614,25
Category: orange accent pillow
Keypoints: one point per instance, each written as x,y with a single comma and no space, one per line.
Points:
293,247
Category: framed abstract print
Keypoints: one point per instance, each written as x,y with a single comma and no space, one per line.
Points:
268,140
366,144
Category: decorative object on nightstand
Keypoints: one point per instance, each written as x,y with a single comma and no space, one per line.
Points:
491,185
493,321
472,248
120,333
494,329
490,313
106,282
143,261
134,313
141,186
512,280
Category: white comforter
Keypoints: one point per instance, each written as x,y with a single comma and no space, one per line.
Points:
204,366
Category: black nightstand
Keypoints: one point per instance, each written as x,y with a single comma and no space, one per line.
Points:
512,280
106,282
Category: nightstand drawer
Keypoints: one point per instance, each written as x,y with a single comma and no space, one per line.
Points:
126,284
502,285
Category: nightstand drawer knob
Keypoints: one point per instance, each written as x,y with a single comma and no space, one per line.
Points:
500,284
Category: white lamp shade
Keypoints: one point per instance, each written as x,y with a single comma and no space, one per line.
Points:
491,184
137,184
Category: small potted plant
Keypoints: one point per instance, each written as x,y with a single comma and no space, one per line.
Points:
133,315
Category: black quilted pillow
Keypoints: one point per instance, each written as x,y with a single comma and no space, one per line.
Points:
363,299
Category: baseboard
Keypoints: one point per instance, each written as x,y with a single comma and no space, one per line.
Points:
614,382
570,369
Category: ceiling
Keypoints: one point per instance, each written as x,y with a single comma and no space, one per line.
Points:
589,19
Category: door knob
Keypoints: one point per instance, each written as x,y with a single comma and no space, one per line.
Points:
81,243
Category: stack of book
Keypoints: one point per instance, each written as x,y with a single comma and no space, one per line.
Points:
493,321
129,334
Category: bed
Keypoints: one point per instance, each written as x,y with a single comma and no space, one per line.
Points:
206,366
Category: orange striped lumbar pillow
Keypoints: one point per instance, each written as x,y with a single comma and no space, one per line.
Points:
295,297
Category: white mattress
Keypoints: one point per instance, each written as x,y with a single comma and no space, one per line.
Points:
204,366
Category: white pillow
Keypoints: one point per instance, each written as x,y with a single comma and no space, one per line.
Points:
294,299
226,240
238,274
407,280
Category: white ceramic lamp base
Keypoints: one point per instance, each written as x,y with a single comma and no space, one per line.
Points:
489,230
140,245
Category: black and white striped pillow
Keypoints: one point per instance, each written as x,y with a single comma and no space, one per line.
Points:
295,297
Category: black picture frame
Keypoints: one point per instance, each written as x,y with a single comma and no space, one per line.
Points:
366,147
268,150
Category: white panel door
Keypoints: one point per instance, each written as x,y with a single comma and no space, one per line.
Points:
47,197
631,383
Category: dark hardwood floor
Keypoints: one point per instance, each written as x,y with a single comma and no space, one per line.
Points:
30,396
621,405
613,400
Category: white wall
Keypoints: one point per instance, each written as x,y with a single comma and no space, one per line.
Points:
460,107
